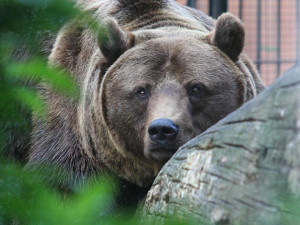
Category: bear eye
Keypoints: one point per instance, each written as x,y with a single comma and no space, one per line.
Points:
142,93
195,90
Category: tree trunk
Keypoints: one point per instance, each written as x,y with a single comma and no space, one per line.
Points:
243,170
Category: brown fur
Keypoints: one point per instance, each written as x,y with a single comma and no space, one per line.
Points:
158,45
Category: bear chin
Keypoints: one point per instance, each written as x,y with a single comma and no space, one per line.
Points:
160,154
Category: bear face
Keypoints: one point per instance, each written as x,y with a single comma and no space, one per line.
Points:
186,81
157,89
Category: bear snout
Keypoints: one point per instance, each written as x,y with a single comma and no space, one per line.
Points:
162,140
163,132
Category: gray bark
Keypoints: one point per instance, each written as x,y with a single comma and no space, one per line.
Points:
243,170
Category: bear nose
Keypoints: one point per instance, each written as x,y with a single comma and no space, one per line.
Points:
163,131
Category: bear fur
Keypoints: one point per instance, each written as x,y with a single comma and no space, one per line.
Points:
158,59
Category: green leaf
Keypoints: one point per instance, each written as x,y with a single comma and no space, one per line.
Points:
31,99
37,70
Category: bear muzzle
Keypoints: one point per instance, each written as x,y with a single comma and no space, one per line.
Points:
163,134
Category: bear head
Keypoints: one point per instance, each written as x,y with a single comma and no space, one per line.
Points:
154,92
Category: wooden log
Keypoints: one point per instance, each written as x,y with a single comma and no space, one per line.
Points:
243,170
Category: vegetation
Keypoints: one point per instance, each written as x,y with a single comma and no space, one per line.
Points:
24,197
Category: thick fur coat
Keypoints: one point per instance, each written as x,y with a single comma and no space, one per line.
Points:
159,60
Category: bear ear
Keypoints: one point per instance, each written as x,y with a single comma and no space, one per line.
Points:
228,35
114,41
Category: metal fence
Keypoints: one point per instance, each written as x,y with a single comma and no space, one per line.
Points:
272,30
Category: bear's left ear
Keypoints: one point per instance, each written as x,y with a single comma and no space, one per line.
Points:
114,41
228,35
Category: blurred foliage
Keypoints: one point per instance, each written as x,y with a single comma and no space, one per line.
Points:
24,24
26,198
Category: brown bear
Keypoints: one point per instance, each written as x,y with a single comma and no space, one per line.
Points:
161,75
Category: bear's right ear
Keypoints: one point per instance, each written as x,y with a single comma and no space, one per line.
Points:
228,35
114,41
